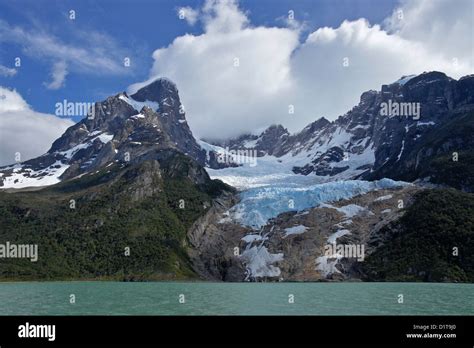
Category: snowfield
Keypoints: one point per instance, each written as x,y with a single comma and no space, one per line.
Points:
22,178
270,170
26,177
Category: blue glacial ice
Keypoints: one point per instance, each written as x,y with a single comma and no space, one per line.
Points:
259,204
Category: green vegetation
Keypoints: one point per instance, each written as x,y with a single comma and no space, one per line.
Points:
135,206
455,136
420,246
458,174
432,156
441,167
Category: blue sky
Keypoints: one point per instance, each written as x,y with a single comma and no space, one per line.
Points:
137,28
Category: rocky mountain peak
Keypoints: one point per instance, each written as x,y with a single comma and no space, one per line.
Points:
157,91
162,96
368,96
119,128
428,77
364,142
317,125
276,130
360,143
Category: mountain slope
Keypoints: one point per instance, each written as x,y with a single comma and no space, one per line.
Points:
433,241
83,226
134,174
120,129
444,155
365,143
115,195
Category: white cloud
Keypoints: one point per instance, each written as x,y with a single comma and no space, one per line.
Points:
221,98
189,14
24,130
438,23
58,75
7,72
11,101
276,69
374,57
223,16
87,51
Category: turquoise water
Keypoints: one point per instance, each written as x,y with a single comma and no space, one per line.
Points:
162,298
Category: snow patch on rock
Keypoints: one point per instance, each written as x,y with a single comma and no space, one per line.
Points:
383,198
259,262
137,105
295,230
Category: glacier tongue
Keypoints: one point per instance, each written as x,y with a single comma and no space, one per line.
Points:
259,204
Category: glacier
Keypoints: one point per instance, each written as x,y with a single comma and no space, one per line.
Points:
259,204
270,170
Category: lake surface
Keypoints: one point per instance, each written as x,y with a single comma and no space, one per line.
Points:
162,298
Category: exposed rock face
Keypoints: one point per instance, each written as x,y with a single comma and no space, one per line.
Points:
145,138
304,140
363,143
367,143
270,142
291,247
355,222
212,244
145,181
427,147
272,139
172,116
118,129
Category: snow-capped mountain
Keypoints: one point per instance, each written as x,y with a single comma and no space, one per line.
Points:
120,128
270,142
136,164
365,142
